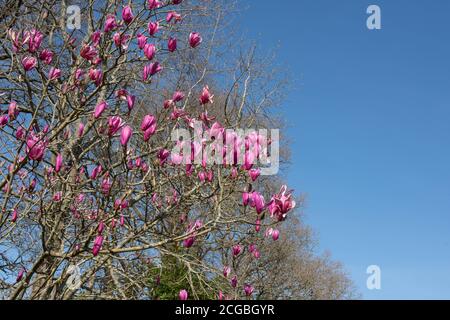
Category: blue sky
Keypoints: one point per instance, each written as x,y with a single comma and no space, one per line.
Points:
370,118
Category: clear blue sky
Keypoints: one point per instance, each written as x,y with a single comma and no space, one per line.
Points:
370,116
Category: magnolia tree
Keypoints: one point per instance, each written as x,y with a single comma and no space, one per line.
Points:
127,169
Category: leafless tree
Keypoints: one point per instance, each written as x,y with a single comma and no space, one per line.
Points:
94,204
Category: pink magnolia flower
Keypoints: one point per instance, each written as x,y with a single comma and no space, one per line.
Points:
117,39
130,101
177,96
151,69
201,176
168,103
125,135
145,72
29,63
149,51
3,120
254,174
172,44
172,15
110,23
206,96
196,149
106,185
88,52
226,271
187,243
130,165
216,130
153,28
249,160
54,73
32,185
156,199
20,133
129,98
58,162
96,61
194,39
14,216
176,1
176,158
57,196
177,113
149,132
46,55
163,155
80,198
97,171
67,134
72,42
98,242
275,234
80,129
35,147
120,40
236,249
245,198
258,225
96,75
147,122
12,110
142,40
79,73
281,203
20,275
248,289
257,202
183,295
256,254
210,176
138,162
49,171
127,14
95,37
15,39
121,94
120,204
33,38
99,109
234,173
234,281
101,227
114,124
153,4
